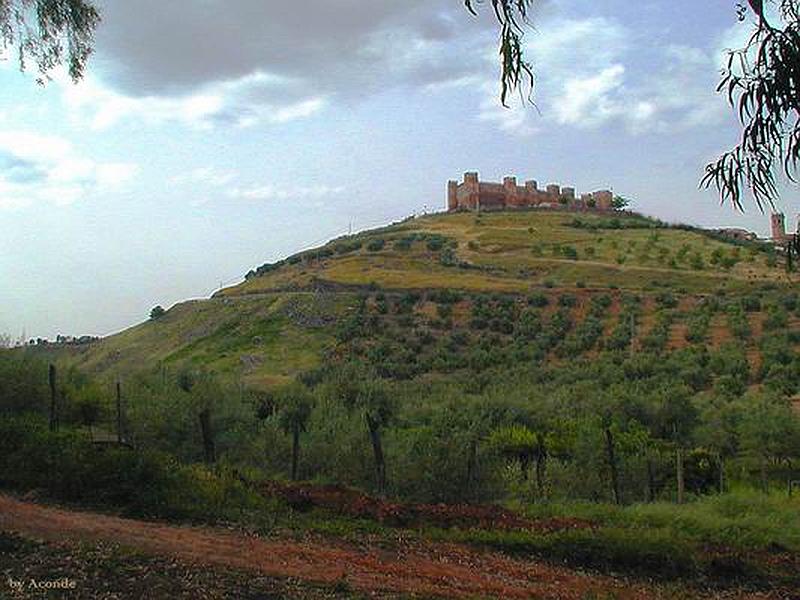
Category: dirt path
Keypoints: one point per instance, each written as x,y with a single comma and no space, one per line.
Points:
444,570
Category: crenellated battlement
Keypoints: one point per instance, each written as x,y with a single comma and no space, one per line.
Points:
473,194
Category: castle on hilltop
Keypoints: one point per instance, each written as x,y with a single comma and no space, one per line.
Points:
473,194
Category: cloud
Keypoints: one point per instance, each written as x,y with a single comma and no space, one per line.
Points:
274,192
589,101
210,63
38,168
244,102
589,75
206,177
152,47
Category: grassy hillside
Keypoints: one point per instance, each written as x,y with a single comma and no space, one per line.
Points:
287,317
261,341
519,251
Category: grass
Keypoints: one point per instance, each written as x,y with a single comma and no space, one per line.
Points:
514,251
255,334
262,341
721,538
725,541
742,519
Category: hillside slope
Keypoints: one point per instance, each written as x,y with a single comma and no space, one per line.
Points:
287,317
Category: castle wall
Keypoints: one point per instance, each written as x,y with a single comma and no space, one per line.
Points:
473,194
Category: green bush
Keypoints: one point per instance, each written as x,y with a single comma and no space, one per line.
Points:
67,466
567,300
376,245
569,252
538,300
666,300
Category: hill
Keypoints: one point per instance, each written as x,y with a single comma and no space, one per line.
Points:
286,318
631,381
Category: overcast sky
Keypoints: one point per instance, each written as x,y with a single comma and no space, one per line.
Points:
211,136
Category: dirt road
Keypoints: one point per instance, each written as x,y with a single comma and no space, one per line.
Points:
430,569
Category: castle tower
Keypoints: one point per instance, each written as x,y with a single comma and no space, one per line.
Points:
778,226
472,187
513,197
452,195
531,192
603,199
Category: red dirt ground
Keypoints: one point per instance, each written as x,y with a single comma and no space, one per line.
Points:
446,570
418,568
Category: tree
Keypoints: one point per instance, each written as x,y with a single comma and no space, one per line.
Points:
295,404
761,80
512,15
49,33
157,312
517,443
770,433
362,390
620,202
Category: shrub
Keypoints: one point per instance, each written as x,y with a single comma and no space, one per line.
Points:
448,257
603,301
567,300
789,302
157,312
751,303
376,245
67,466
538,300
776,319
569,252
738,323
666,300
435,244
445,296
697,262
403,244
697,329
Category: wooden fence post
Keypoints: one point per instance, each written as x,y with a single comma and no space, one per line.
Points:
51,376
209,452
119,412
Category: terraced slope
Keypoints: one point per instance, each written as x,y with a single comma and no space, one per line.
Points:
615,281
